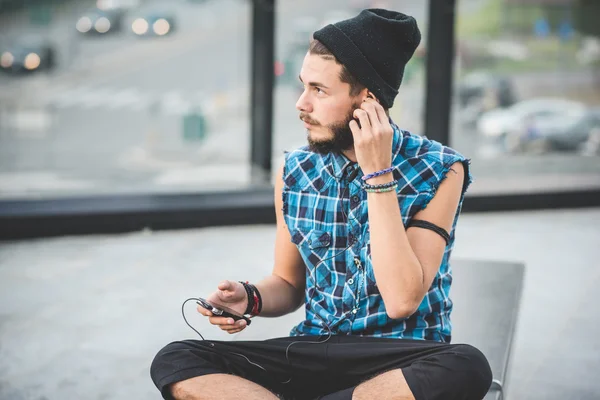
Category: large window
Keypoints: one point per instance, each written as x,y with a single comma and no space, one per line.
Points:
527,94
124,96
105,98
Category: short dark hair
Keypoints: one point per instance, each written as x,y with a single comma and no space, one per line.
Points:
318,49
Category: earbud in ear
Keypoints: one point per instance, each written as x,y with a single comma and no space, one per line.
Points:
372,96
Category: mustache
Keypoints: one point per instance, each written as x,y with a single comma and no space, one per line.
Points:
304,117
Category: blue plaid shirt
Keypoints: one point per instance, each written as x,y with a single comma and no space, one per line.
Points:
328,221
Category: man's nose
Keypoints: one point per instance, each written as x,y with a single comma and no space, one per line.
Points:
303,104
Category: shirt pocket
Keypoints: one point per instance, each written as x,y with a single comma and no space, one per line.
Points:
314,246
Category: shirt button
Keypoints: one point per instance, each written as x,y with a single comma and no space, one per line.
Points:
355,199
354,311
350,281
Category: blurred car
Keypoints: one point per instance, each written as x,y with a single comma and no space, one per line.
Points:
480,86
152,23
497,123
28,55
100,21
568,132
480,92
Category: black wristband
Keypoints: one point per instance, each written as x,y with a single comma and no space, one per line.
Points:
257,295
250,305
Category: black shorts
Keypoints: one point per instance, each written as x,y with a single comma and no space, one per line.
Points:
432,370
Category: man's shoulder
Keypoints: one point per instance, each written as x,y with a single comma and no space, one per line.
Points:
421,164
304,169
416,147
299,152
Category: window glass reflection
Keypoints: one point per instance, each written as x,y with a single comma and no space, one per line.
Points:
527,93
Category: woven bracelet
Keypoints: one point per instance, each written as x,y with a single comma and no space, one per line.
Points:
378,173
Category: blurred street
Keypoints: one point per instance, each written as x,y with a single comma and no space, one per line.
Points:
122,98
110,117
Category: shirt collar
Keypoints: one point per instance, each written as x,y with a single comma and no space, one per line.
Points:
341,165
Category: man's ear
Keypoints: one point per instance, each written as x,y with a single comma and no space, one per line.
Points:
369,95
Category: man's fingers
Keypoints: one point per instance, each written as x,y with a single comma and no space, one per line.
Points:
369,106
204,311
221,321
383,118
355,129
225,285
224,321
234,327
365,125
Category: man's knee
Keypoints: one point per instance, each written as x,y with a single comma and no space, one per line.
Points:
163,363
183,390
473,369
176,360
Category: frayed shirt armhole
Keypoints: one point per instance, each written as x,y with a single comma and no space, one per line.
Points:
444,174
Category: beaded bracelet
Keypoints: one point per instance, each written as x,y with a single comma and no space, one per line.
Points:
380,186
383,190
378,173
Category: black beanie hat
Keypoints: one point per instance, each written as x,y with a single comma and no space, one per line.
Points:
374,46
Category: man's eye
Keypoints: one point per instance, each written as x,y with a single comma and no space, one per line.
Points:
318,90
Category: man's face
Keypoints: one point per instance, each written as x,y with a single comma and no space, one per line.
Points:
326,106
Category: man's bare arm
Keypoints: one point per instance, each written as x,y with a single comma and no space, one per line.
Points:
405,262
283,291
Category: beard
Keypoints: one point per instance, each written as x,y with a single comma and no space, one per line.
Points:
341,135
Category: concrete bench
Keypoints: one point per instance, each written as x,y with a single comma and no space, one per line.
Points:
486,296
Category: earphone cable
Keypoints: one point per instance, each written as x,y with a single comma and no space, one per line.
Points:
185,319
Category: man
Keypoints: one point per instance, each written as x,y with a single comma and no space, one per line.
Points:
375,284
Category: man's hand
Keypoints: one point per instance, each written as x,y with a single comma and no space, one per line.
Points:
373,139
232,295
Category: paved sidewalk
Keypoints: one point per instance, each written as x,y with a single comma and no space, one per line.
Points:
82,317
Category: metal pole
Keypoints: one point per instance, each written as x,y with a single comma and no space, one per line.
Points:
440,60
261,100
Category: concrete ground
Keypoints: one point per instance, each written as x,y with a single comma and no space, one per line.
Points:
82,317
